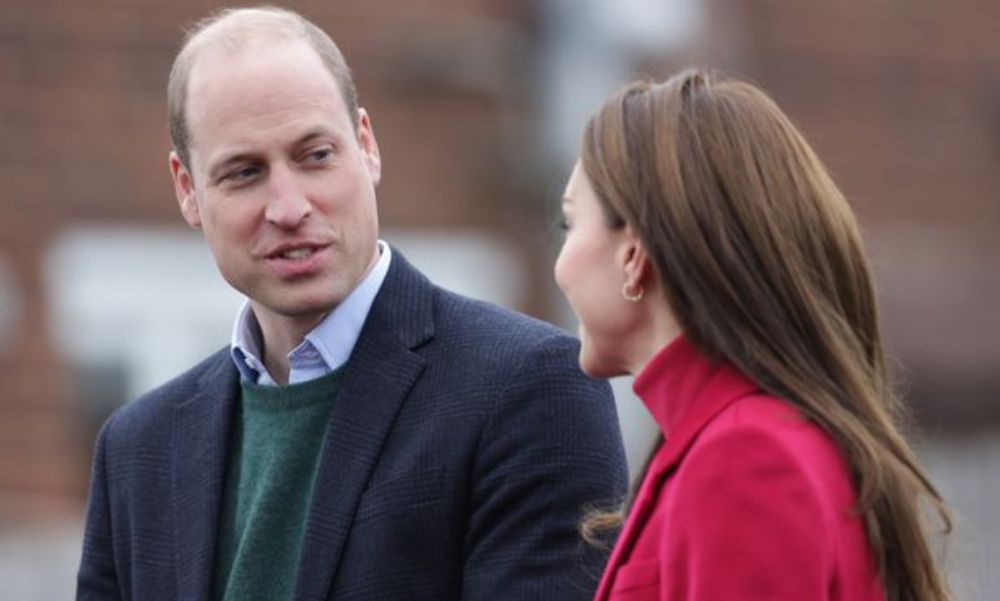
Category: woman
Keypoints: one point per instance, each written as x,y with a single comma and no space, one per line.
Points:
709,253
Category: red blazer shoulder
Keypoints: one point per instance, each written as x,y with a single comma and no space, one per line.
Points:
761,507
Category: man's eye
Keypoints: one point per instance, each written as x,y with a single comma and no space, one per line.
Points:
243,174
319,155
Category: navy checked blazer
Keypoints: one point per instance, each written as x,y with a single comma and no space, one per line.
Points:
463,445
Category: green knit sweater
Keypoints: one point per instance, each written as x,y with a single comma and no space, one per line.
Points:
272,464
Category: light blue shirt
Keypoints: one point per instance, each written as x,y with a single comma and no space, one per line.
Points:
326,347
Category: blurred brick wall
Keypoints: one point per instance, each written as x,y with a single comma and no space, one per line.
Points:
901,99
902,102
84,139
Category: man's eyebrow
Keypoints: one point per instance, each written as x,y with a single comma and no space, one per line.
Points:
242,157
319,132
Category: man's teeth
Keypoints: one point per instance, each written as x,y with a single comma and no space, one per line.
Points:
297,254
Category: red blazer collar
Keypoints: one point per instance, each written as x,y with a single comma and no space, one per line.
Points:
684,390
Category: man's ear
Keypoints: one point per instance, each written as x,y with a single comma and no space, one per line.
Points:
184,189
369,146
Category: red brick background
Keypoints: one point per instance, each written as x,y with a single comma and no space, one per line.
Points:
901,99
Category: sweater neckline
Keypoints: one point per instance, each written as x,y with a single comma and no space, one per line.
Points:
284,397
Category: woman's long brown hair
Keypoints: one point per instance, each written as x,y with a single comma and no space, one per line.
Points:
762,264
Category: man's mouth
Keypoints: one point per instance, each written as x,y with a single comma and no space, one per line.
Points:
299,260
296,254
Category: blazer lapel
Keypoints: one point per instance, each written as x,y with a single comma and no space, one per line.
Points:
380,373
645,501
201,432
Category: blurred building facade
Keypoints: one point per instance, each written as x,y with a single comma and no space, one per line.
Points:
476,106
89,222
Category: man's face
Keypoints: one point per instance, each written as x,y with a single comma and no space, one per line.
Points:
280,183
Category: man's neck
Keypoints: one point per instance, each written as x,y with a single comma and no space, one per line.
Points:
279,336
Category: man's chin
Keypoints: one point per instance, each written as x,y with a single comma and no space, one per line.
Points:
299,308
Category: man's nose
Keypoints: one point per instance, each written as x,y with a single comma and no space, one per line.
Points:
288,205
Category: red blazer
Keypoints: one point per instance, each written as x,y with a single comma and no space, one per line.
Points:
745,500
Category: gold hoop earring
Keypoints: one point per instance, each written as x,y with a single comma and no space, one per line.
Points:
632,296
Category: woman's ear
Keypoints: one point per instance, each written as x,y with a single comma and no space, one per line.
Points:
635,260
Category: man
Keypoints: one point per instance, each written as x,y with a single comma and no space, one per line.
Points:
366,435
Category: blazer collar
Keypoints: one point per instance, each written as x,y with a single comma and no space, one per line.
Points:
379,374
684,390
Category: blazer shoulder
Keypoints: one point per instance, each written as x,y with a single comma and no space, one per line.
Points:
147,413
745,489
764,443
417,310
514,355
764,420
455,312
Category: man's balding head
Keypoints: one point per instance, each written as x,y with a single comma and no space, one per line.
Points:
234,30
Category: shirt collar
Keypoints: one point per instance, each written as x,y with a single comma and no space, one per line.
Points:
326,347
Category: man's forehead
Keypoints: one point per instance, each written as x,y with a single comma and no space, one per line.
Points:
237,35
233,94
222,53
276,62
